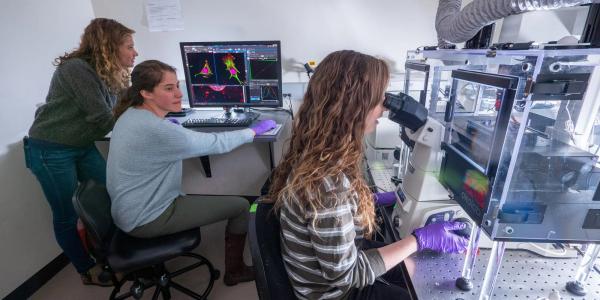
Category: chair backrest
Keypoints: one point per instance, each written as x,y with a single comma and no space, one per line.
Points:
92,204
272,280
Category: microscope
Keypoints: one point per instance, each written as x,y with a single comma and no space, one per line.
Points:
421,198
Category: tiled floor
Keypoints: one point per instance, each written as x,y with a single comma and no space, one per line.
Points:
67,285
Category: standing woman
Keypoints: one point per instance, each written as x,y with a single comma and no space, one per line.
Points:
60,149
325,206
145,167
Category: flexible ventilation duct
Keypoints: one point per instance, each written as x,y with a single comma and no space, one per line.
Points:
456,26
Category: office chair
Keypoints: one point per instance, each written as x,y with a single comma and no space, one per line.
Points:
140,260
272,281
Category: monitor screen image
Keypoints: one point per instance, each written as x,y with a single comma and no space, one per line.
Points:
233,73
469,186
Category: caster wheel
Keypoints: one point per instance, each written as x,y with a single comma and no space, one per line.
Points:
576,288
464,284
137,291
216,274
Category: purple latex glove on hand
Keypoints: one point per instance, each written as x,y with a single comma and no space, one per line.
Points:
263,126
440,238
385,198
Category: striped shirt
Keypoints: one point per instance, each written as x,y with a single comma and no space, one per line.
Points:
319,249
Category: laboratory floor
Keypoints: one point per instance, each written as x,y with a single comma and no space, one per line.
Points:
67,284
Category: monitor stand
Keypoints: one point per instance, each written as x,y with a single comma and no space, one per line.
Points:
240,113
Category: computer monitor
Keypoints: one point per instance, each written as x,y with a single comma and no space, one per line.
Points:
233,74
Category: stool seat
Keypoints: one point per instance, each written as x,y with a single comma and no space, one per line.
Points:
128,253
141,261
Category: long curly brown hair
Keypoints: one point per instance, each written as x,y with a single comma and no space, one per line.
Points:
327,135
99,46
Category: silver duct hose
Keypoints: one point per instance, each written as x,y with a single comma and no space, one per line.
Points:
456,26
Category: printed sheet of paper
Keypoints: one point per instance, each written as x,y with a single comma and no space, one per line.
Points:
164,15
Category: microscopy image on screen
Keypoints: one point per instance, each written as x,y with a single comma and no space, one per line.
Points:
217,94
233,73
202,68
469,186
231,68
263,69
254,93
269,93
476,186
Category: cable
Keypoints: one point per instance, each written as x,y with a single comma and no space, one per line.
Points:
289,96
553,253
569,125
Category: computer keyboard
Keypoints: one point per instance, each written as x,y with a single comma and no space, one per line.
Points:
217,122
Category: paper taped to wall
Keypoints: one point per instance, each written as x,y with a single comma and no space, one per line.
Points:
164,15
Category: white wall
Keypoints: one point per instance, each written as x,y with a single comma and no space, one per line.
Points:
308,29
33,33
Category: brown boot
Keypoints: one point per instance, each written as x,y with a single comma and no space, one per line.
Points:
92,277
236,270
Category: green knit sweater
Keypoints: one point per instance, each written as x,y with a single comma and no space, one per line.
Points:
78,108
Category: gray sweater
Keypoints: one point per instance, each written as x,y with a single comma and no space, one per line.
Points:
78,108
145,163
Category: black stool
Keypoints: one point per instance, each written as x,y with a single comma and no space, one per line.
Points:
140,260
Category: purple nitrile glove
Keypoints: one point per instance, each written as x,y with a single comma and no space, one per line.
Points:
263,126
439,237
385,198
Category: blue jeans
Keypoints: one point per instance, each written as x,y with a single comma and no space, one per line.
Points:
59,168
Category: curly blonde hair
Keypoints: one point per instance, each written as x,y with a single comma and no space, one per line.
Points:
99,46
327,135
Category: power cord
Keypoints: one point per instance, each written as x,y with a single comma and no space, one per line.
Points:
561,252
289,96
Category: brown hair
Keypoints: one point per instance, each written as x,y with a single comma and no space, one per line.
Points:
327,135
145,76
99,46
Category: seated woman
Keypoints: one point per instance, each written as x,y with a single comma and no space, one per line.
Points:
145,167
323,202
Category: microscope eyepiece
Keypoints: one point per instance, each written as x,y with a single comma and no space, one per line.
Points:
405,110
